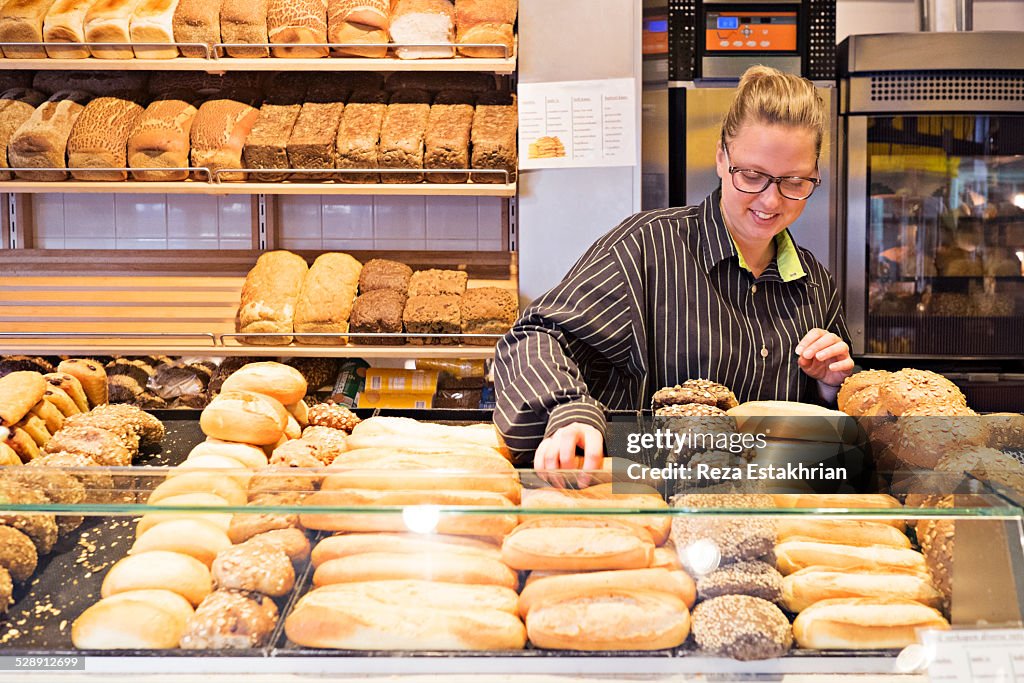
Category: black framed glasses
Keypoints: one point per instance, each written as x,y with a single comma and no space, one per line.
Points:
755,182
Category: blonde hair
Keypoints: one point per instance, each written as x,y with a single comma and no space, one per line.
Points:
767,95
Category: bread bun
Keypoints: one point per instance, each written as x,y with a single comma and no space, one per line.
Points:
254,567
577,544
127,625
168,600
245,417
846,532
279,381
191,537
250,456
858,381
802,589
558,587
231,620
427,567
864,624
291,541
792,556
292,429
148,521
185,575
225,467
300,411
194,481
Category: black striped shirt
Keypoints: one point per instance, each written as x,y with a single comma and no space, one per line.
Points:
660,299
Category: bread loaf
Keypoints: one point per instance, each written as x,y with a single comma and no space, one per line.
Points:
344,545
485,21
297,21
802,589
470,569
245,21
21,21
109,21
369,13
16,107
864,624
602,497
418,22
359,40
41,142
218,134
559,587
197,21
326,618
577,545
430,433
277,380
65,23
153,22
436,82
847,532
792,556
311,144
245,417
269,296
326,297
100,138
160,139
447,136
495,122
402,134
359,135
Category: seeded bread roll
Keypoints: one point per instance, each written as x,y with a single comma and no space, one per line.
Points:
160,139
312,141
197,21
267,144
41,141
495,122
16,107
244,21
229,619
100,138
741,627
754,578
359,135
254,567
218,135
297,21
18,555
21,21
153,22
269,297
908,388
856,382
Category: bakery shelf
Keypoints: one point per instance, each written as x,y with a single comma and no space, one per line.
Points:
250,188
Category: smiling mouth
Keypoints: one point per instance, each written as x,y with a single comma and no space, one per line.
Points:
760,215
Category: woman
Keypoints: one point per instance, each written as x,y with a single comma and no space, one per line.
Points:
716,291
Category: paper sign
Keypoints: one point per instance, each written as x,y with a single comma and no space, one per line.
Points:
985,655
577,124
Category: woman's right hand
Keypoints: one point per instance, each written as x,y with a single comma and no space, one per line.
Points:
558,451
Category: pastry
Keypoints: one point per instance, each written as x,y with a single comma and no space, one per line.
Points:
70,385
92,377
103,446
40,527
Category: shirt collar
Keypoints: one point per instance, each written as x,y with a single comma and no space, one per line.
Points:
717,244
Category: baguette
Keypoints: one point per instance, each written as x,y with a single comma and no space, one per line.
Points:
41,142
451,568
345,545
556,588
326,618
603,496
100,138
269,295
297,21
153,22
218,135
245,21
16,107
845,532
853,501
21,21
109,21
791,556
440,595
802,589
578,545
475,524
65,23
472,435
160,140
196,21
864,624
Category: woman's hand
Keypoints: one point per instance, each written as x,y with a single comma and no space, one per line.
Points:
558,451
824,356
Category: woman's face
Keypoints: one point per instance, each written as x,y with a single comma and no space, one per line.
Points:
778,151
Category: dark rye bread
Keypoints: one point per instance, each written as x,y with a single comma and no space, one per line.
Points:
447,137
488,310
379,310
359,135
435,282
495,123
402,135
432,315
312,141
267,144
383,274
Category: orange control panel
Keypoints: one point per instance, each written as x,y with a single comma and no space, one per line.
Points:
750,32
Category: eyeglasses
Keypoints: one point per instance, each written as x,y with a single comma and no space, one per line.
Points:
755,182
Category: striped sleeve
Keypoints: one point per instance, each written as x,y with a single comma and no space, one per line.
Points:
585,321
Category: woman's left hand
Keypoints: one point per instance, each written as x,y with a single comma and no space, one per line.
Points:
825,357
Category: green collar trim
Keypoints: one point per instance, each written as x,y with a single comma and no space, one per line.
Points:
786,256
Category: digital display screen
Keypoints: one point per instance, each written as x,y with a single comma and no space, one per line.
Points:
773,32
728,23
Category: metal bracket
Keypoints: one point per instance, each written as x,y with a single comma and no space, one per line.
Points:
12,220
261,220
513,224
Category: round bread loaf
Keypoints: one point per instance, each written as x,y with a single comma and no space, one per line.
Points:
864,624
229,619
861,403
192,537
245,417
254,567
741,627
182,574
907,388
282,382
856,382
929,432
985,463
754,578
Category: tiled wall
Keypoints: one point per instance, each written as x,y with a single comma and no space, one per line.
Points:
141,221
314,222
357,222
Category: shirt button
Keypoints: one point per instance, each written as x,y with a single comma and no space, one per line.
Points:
753,289
764,352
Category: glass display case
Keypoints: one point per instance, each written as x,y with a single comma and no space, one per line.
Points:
440,558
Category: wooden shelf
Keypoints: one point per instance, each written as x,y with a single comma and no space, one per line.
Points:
224,64
145,347
252,188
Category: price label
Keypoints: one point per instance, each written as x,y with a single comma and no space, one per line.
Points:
981,655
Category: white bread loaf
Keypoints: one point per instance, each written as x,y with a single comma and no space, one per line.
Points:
624,619
451,568
245,417
802,589
153,22
328,619
65,23
218,135
191,537
559,587
475,524
41,142
21,21
791,556
16,107
344,545
182,574
245,21
100,138
109,21
269,295
136,621
486,21
578,545
297,21
328,291
423,21
864,624
160,139
846,532
277,380
196,21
